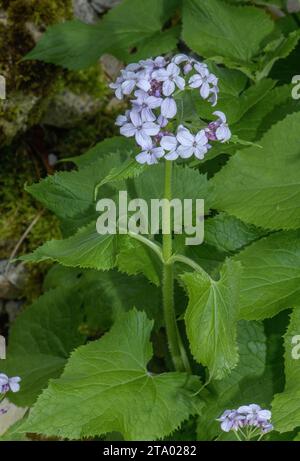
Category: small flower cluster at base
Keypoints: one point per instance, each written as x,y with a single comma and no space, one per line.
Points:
154,84
249,420
9,384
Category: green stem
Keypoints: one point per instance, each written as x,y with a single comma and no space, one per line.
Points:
176,348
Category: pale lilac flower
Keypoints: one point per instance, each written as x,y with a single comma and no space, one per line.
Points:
144,104
247,416
228,420
191,145
117,86
133,67
154,64
170,143
9,384
168,108
162,121
122,119
206,81
132,79
141,130
218,130
154,81
254,413
3,411
150,155
170,78
187,60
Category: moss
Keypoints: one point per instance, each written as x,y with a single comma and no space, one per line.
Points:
25,19
17,211
91,81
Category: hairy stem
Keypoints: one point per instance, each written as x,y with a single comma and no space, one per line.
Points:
176,348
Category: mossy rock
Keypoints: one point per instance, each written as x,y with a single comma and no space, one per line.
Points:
29,84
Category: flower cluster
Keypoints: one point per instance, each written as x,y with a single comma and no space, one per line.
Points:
9,384
250,420
155,83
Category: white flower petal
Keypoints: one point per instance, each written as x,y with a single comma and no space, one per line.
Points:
135,118
185,137
162,121
143,84
168,142
153,102
168,108
201,138
128,86
204,90
14,386
173,155
168,87
200,152
180,82
195,81
128,130
185,151
179,58
223,133
158,152
143,139
161,75
173,69
142,157
151,128
121,120
147,115
220,115
119,93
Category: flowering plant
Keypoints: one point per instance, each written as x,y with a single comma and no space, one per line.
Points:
139,335
247,422
152,117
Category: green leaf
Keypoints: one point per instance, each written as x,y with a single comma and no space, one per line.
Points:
263,185
119,146
273,107
136,258
187,184
71,193
239,386
41,341
107,387
86,249
286,406
225,30
105,295
235,105
278,50
271,275
211,318
229,234
132,24
129,169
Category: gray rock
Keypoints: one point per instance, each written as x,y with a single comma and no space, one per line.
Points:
13,308
67,109
293,6
12,281
89,11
